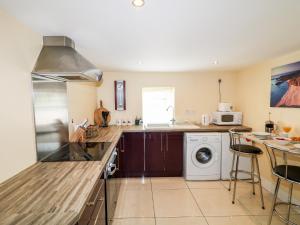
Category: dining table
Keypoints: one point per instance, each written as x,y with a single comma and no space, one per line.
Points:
288,148
289,153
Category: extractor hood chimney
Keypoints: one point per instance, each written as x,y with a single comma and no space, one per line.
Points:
60,61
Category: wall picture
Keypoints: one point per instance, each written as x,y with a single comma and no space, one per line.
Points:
120,95
285,86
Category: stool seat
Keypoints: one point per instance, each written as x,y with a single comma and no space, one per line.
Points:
247,149
293,172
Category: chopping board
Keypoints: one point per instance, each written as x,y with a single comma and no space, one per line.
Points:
98,115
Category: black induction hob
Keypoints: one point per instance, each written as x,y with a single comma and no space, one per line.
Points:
92,151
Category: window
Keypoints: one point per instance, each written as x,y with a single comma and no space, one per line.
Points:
158,104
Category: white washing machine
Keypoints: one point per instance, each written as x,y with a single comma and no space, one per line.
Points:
202,156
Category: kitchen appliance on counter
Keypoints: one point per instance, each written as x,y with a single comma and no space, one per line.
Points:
90,151
224,107
227,118
105,119
205,119
112,185
269,125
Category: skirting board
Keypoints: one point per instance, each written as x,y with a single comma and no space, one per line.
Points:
282,195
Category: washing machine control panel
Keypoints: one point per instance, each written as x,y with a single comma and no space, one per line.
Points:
204,139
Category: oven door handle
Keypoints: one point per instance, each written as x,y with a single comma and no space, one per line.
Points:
111,172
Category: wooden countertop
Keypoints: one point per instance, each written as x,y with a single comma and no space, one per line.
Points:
51,193
111,132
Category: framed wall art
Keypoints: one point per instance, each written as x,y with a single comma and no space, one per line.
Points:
285,86
120,95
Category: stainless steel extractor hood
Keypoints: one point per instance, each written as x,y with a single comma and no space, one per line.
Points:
60,61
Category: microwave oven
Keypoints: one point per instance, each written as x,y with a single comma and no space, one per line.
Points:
227,118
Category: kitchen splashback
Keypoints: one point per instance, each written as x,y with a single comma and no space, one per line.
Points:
51,116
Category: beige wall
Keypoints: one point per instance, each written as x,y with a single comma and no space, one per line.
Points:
19,49
253,92
195,93
82,102
253,99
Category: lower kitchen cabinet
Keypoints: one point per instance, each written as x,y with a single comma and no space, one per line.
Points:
131,155
164,154
151,154
94,211
154,154
173,154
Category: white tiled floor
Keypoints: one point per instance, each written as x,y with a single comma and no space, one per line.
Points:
174,201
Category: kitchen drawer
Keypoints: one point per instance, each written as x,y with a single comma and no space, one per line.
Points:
98,216
95,207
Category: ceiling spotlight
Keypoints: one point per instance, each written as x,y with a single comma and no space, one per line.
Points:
138,3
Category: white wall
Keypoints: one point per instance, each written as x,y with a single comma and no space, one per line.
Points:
82,102
19,49
195,93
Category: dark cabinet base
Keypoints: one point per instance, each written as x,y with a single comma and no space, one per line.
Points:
132,155
94,212
151,154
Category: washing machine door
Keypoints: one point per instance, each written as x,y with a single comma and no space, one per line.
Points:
204,156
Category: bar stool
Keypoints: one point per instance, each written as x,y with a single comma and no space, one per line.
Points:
243,150
283,171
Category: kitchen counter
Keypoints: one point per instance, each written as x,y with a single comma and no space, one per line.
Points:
111,132
48,193
51,193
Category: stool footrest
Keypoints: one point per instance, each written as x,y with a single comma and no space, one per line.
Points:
244,172
281,216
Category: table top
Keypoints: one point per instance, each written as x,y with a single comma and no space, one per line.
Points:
289,148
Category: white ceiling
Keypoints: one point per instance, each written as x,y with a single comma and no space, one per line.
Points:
168,35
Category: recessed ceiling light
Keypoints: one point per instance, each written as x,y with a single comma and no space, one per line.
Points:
140,62
138,3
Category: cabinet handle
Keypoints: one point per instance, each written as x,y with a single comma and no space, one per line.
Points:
167,148
161,142
144,137
123,144
92,203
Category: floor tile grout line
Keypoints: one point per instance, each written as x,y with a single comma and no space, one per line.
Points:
252,217
153,201
251,214
196,202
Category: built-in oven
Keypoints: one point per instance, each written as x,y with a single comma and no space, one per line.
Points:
112,186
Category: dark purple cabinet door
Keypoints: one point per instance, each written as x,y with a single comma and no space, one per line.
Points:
121,157
133,154
173,153
154,154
